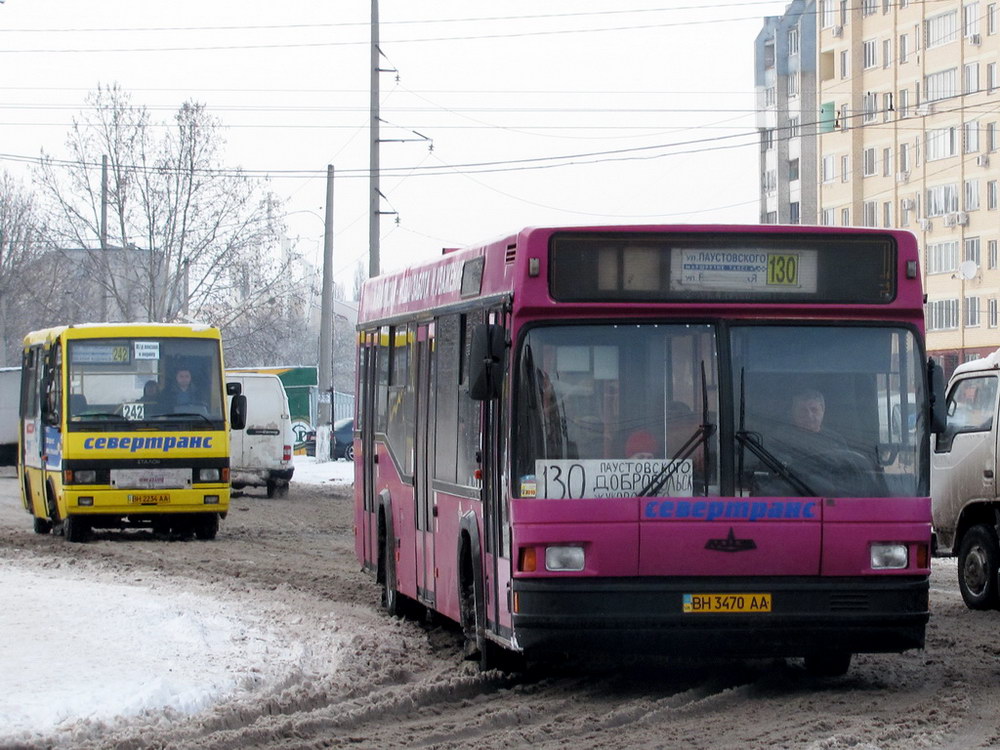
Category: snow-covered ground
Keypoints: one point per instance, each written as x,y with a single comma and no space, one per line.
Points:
177,649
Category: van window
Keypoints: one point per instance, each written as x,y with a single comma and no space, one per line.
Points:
971,406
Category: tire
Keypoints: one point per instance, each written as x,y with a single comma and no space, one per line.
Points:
207,528
272,487
828,664
391,598
978,560
349,452
76,529
42,525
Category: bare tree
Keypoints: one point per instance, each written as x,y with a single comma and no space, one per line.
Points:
184,239
27,284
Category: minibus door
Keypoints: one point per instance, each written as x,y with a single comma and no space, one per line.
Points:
365,475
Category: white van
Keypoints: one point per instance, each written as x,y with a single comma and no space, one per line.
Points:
964,492
261,453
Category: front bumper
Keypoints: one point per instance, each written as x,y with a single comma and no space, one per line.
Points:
646,615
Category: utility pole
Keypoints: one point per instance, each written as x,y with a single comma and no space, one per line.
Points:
104,235
326,311
374,194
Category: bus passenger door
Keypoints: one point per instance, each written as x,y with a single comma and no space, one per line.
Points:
424,512
367,536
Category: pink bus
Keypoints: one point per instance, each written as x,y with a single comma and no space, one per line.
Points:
705,440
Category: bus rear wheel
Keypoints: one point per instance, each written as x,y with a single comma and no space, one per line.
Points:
978,561
828,664
207,528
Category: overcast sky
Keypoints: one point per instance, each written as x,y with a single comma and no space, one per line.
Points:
653,103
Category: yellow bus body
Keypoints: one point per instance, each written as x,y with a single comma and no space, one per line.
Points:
92,453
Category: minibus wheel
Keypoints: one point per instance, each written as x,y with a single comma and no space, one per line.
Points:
828,664
978,558
42,525
207,528
75,529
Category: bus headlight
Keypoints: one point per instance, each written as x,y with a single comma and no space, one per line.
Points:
80,476
208,475
889,556
564,558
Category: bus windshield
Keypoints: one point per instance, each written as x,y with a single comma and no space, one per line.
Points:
621,410
144,382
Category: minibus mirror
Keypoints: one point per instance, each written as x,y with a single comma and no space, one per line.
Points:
938,405
234,389
486,358
238,411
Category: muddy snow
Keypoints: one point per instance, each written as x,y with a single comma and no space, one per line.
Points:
271,636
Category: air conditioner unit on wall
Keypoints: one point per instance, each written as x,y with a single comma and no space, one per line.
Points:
982,160
907,204
924,224
925,109
950,220
838,31
975,39
962,219
902,176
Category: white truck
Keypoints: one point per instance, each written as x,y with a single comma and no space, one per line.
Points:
261,453
964,492
10,389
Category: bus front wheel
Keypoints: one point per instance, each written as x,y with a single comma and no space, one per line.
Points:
75,529
978,560
207,528
42,525
828,664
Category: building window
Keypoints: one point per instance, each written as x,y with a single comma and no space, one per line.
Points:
970,137
845,168
828,217
793,41
886,53
793,213
991,18
767,139
870,108
940,85
793,170
905,209
904,48
887,214
942,199
991,254
904,102
793,127
991,77
941,29
828,13
869,7
870,163
970,19
972,312
870,54
770,96
845,217
941,144
991,195
870,217
972,195
793,84
887,162
992,311
972,250
845,63
904,158
942,257
942,315
991,136
970,78
829,168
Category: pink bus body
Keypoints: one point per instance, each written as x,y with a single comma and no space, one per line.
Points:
504,392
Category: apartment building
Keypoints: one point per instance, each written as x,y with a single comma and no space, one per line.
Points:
909,105
785,83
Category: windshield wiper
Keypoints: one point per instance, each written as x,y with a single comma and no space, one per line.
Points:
752,441
700,438
182,414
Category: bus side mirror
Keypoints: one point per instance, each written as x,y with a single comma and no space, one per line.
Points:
938,405
486,360
234,389
238,411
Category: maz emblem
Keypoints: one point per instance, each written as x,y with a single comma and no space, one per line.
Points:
730,543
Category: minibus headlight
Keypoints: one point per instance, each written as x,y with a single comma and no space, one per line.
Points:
84,476
889,556
564,558
208,475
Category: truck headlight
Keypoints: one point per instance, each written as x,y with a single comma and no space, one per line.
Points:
564,558
889,556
